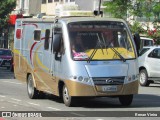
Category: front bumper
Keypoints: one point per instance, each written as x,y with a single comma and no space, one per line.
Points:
79,89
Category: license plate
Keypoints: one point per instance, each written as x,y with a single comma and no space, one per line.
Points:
109,88
7,63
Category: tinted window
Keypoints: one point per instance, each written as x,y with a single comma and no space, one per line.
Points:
50,1
43,1
148,42
155,53
37,35
144,50
46,42
5,52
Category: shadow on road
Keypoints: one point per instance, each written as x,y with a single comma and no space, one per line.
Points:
139,101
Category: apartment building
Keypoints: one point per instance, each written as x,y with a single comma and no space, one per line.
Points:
89,5
48,6
28,7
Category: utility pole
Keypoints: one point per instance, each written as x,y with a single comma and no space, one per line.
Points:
99,8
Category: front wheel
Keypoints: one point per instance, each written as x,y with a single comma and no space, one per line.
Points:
32,92
126,100
143,78
67,99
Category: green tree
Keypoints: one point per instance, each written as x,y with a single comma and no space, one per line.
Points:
148,9
136,27
6,6
156,12
144,8
118,8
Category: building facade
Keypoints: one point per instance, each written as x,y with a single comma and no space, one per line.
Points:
28,7
48,6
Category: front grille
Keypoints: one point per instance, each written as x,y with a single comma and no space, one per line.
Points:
108,80
5,62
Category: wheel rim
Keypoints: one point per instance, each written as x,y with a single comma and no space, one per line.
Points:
65,94
30,86
142,78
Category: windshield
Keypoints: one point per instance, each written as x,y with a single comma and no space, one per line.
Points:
96,40
144,50
5,52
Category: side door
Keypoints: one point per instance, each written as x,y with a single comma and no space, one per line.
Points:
58,56
153,62
56,60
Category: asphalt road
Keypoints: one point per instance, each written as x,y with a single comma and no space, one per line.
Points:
13,97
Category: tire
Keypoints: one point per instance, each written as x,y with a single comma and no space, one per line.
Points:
143,78
67,99
32,92
126,100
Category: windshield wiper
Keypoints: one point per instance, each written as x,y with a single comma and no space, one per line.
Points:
95,49
119,55
92,54
106,46
109,44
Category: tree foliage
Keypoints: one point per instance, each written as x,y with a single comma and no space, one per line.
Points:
118,8
136,28
6,6
148,9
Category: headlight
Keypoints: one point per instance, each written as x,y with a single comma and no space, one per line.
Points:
131,78
128,78
81,79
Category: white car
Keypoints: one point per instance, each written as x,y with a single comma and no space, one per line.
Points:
149,65
146,42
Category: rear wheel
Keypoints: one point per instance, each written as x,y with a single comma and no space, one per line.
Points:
126,100
32,92
143,78
67,99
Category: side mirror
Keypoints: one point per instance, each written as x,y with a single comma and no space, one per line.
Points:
96,13
137,41
56,42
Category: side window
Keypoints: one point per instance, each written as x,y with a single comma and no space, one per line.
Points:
62,47
59,31
46,42
60,43
43,1
37,35
155,53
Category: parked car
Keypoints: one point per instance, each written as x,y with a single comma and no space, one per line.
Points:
146,42
5,58
12,65
149,65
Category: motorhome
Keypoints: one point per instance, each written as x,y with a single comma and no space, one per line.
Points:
47,58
